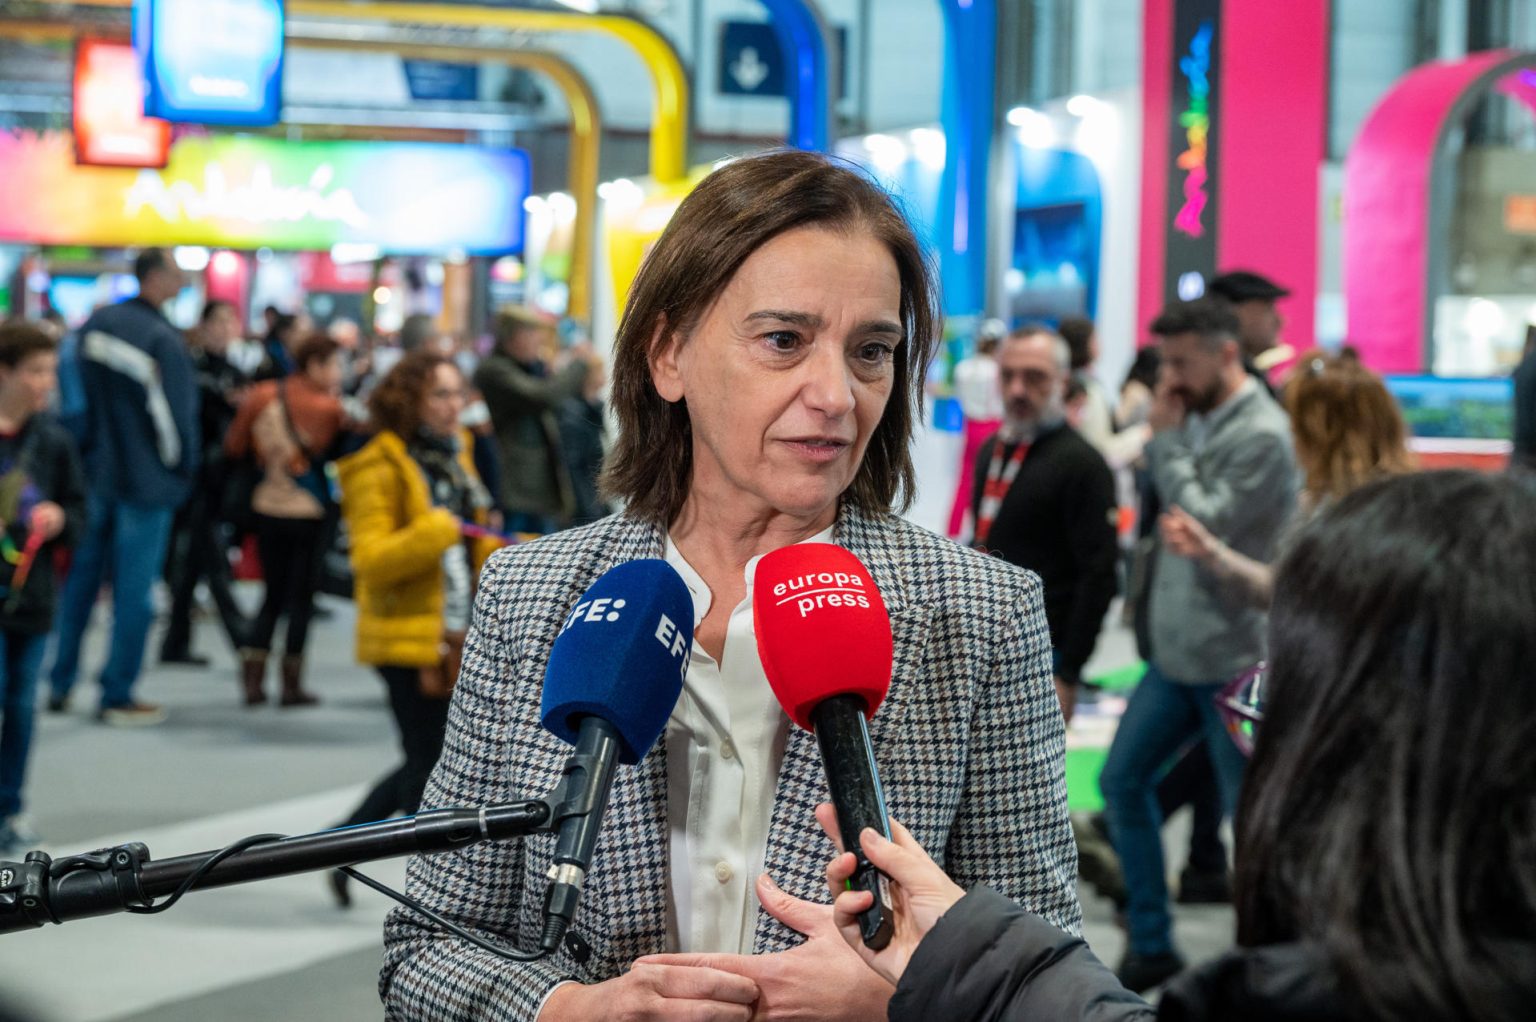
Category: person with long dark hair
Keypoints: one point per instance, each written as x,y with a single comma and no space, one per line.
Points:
1385,835
405,497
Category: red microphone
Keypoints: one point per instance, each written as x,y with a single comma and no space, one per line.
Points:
824,638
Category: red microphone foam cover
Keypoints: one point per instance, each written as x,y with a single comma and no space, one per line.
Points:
822,628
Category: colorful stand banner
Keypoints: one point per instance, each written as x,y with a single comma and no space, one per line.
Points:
1234,98
235,192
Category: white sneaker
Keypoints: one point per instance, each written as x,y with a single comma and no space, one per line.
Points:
21,831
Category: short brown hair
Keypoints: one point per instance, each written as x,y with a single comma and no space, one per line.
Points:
395,404
19,341
317,347
1346,424
731,214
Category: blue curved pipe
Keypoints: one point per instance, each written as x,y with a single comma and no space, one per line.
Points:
802,36
969,114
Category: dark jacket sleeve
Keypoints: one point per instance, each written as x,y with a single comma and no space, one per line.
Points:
179,378
988,960
510,391
1091,537
69,488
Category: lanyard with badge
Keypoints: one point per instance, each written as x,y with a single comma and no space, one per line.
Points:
999,480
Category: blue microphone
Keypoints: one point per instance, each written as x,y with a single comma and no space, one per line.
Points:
614,675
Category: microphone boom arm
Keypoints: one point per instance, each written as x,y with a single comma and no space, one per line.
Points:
43,890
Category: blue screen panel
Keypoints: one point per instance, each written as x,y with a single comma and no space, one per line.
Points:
211,61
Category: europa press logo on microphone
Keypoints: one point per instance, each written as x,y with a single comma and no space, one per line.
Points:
811,592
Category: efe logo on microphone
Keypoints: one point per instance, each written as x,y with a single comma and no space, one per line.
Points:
604,609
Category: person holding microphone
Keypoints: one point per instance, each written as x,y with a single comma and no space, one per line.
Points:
767,378
1383,856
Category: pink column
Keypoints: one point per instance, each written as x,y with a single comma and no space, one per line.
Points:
1270,149
1388,192
1267,82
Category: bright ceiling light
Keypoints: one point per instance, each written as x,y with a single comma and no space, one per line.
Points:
886,152
192,258
1081,105
584,6
929,145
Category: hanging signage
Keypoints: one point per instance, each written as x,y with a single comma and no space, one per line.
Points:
1190,232
242,192
211,61
108,110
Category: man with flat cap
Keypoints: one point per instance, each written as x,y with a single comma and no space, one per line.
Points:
1253,296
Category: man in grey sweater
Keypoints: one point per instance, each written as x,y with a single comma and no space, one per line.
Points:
1221,450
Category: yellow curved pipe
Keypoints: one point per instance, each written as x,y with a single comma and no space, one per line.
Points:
669,127
586,136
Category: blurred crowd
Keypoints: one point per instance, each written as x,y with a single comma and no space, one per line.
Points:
381,468
1179,494
386,469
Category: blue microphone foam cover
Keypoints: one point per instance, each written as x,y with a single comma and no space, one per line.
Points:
621,655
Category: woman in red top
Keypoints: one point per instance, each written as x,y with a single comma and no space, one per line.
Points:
290,426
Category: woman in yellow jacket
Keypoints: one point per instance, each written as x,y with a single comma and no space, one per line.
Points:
406,496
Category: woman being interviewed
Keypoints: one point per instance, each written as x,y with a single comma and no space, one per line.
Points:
767,373
405,497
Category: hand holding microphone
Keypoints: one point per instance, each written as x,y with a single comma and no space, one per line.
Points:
921,893
824,638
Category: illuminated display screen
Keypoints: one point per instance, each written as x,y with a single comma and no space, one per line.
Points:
211,61
108,110
232,192
1440,407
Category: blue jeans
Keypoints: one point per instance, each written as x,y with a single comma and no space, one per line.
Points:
125,542
21,658
1163,718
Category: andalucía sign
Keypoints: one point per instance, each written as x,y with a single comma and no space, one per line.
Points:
253,192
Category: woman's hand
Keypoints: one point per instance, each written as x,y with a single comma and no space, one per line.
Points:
651,992
819,981
1184,535
48,519
921,892
1167,410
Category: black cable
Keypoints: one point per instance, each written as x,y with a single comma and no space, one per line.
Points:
449,925
409,902
202,871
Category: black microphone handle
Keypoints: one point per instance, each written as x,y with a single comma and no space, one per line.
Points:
849,762
578,821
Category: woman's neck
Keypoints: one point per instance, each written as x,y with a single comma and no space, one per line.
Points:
722,535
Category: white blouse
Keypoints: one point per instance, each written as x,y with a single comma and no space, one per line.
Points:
725,744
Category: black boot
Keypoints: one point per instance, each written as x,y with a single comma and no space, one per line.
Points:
1140,973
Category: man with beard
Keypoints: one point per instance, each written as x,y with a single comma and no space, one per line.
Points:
1221,450
1044,499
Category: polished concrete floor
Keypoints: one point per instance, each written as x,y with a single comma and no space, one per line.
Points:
217,771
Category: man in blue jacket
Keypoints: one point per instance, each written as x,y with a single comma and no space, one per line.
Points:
139,440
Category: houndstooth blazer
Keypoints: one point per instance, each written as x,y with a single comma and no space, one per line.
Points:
970,745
